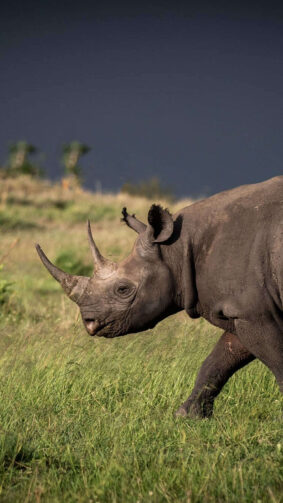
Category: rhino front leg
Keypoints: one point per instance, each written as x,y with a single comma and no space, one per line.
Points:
228,356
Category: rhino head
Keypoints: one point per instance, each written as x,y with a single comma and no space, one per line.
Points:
132,295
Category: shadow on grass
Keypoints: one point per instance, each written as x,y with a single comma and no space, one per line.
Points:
13,452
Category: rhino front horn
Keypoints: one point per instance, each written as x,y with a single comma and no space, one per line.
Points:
74,286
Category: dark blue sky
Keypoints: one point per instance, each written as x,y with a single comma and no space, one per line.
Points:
191,93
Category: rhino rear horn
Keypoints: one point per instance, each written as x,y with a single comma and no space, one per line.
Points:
103,266
73,285
133,222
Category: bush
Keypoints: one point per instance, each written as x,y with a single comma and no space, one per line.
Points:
151,189
69,262
94,213
12,221
5,289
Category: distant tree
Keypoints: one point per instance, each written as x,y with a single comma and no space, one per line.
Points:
151,189
71,153
19,162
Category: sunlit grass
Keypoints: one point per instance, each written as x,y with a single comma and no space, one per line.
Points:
85,419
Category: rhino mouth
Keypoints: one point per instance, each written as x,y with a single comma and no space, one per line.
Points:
95,328
92,326
110,330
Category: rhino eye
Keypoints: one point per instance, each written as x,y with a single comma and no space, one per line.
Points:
125,290
122,289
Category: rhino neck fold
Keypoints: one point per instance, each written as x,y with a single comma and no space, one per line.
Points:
178,256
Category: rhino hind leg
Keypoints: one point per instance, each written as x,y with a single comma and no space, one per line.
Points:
228,356
264,339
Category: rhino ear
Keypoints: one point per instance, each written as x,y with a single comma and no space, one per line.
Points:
160,224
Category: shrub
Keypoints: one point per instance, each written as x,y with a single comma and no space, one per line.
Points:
94,213
5,289
151,189
12,221
71,263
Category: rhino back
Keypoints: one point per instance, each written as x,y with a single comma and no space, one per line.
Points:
237,240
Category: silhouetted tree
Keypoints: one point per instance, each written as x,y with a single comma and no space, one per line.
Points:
71,153
19,162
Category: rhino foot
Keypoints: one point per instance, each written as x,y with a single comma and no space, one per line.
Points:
181,412
195,410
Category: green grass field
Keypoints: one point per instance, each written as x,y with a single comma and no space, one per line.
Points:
92,420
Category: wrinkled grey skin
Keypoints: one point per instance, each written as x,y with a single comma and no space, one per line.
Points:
220,258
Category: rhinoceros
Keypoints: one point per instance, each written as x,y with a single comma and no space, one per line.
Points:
220,258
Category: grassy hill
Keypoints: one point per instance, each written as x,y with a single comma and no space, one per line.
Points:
91,420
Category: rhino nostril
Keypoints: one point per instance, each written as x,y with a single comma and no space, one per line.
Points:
92,326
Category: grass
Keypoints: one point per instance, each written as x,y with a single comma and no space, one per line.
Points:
86,420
